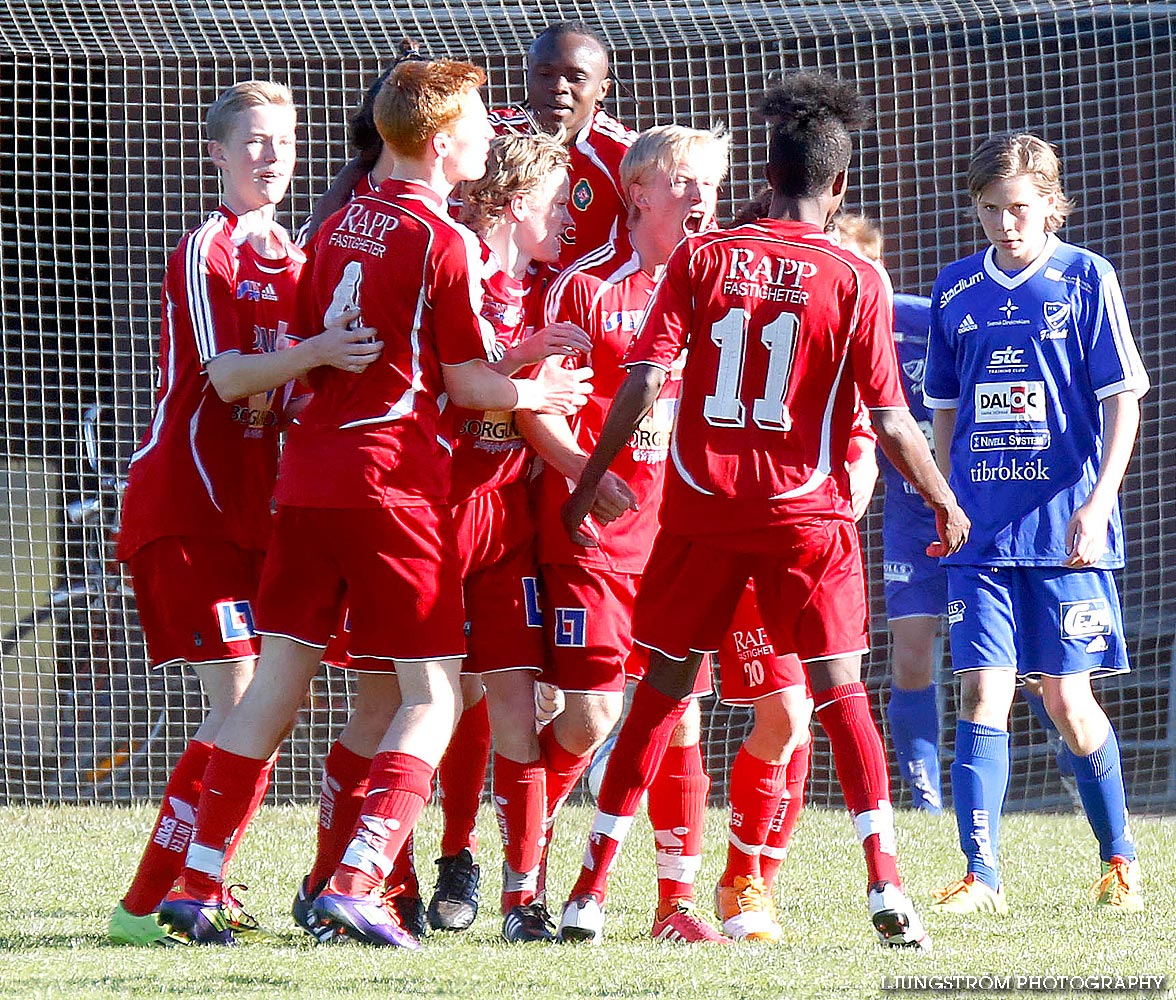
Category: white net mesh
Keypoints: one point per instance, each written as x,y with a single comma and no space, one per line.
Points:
102,170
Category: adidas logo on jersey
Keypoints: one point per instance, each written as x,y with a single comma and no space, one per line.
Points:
967,325
269,294
1097,645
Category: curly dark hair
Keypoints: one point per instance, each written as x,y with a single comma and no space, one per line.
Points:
361,126
812,116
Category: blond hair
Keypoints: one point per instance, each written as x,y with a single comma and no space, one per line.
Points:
223,113
862,233
665,147
1000,157
420,99
517,165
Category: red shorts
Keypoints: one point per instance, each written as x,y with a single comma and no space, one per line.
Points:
396,568
749,666
504,621
195,598
591,642
810,587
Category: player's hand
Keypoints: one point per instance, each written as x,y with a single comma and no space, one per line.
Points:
549,702
613,498
561,340
1086,535
863,474
575,510
565,390
349,350
953,526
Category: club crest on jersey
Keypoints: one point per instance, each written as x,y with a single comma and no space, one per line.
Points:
915,370
955,612
570,627
235,619
582,195
1057,320
1085,619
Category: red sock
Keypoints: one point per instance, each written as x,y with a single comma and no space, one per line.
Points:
791,804
341,795
163,857
461,777
230,787
260,787
677,809
400,787
564,769
635,758
520,799
403,875
861,769
755,793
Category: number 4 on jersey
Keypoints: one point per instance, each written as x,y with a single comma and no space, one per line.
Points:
724,407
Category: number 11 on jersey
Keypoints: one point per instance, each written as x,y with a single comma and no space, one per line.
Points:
724,407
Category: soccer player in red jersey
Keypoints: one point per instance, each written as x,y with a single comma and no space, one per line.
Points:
671,175
780,327
196,515
567,81
362,502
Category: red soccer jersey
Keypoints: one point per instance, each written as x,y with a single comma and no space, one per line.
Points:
606,293
780,324
378,438
205,468
490,452
596,204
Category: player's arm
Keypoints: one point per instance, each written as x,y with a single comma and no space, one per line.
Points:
906,447
636,395
477,386
943,423
561,340
861,463
1086,534
339,193
236,376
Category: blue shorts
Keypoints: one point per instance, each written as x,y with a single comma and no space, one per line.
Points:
1039,619
916,585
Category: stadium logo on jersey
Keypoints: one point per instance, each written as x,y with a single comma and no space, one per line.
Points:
1085,619
570,627
1057,320
955,612
997,402
250,290
1010,440
897,572
967,325
582,195
236,620
960,286
1007,360
915,372
1013,471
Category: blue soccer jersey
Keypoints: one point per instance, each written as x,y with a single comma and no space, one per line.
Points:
1025,360
904,512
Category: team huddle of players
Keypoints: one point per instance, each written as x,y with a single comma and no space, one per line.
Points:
550,429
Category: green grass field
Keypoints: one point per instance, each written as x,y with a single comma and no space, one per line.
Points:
63,868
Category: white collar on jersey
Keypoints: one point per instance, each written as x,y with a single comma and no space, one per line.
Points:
1027,272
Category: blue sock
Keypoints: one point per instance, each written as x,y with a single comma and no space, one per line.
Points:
1100,783
979,780
914,728
1058,745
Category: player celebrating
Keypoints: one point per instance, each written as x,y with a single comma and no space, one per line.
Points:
780,327
375,525
1035,382
196,515
671,175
